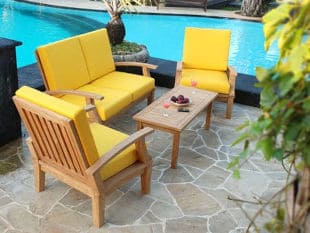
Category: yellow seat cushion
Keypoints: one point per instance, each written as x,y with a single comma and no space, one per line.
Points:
114,100
105,139
206,49
137,85
74,112
211,80
63,64
98,53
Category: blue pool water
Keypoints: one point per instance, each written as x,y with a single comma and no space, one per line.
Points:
36,25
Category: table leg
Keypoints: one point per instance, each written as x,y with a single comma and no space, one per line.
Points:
208,116
175,150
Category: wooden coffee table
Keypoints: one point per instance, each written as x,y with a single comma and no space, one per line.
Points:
175,122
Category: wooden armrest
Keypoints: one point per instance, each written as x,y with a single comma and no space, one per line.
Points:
105,158
75,92
89,107
145,66
178,73
90,101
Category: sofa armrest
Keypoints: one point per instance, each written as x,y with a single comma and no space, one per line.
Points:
86,94
138,136
232,75
90,101
145,66
178,73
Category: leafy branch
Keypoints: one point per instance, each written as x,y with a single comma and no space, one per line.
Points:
282,131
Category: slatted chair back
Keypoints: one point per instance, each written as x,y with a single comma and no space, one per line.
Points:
54,137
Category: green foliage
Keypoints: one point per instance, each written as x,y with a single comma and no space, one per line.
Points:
283,129
126,48
276,224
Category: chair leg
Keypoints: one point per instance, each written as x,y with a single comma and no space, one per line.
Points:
39,178
98,208
150,98
229,106
146,179
39,175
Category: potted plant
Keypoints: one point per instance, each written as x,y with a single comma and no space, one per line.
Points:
122,50
282,131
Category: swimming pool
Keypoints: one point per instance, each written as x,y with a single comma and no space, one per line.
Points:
35,25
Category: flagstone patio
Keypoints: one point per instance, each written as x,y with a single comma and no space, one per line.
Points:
189,199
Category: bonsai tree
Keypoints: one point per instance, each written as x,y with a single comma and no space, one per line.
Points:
115,27
282,131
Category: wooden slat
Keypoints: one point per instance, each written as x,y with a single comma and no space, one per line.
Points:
57,142
49,139
38,135
72,153
62,150
27,121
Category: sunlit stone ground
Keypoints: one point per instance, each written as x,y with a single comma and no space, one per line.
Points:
189,199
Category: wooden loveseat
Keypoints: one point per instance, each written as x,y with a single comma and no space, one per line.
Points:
81,70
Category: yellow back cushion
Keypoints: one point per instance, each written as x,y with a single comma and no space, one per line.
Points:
206,49
63,64
98,53
74,112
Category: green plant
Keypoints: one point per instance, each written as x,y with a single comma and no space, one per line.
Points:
126,48
282,131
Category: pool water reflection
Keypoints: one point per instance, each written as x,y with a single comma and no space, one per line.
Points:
36,25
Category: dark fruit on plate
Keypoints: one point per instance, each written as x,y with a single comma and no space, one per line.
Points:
186,100
181,97
174,99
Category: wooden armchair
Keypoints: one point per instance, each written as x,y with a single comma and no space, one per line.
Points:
91,158
205,60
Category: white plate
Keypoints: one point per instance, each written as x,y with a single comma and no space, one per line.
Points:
180,105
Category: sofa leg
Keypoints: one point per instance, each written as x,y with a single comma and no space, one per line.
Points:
229,106
150,98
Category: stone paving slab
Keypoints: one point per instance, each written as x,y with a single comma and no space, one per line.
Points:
191,198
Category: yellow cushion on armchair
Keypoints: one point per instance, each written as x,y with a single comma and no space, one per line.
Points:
205,60
206,49
211,80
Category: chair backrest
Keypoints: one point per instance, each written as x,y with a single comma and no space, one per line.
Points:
97,52
60,132
76,61
206,49
63,65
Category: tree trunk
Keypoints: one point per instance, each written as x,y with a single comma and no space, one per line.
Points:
252,8
116,30
298,203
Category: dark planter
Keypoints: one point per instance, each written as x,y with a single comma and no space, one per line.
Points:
10,126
